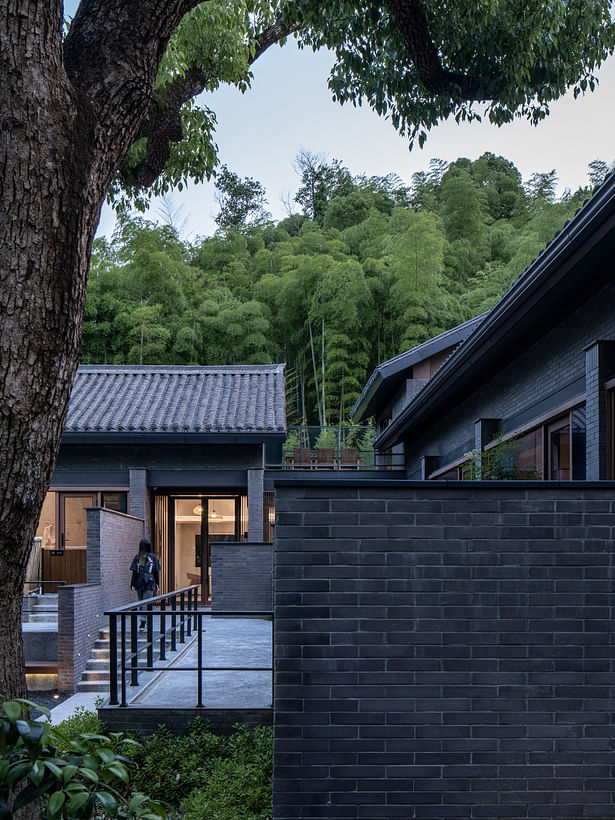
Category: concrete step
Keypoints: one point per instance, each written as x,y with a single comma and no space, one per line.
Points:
90,677
97,665
43,618
92,686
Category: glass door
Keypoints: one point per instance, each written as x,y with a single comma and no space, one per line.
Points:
72,519
187,541
195,522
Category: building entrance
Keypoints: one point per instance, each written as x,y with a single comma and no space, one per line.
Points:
193,522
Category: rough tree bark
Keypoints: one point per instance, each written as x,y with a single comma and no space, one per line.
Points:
68,114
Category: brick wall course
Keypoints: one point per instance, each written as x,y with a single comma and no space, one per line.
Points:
112,541
242,576
458,667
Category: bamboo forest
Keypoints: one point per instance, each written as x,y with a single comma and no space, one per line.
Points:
360,270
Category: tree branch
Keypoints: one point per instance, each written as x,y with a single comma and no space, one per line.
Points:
162,123
412,24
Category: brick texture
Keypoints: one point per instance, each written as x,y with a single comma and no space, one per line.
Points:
147,720
444,652
241,576
112,541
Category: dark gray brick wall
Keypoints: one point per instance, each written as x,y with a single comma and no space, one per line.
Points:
80,618
539,378
444,652
147,720
241,576
112,541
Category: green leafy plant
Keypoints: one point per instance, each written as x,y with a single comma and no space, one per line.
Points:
72,777
211,777
498,463
82,721
327,438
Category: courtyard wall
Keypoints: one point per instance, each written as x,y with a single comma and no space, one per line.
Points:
444,650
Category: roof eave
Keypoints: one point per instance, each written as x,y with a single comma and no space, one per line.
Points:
588,227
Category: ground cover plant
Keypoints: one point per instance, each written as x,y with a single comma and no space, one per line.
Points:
78,771
208,776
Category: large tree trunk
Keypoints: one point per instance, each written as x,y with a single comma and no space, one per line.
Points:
66,121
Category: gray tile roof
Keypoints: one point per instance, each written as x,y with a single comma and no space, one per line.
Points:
167,399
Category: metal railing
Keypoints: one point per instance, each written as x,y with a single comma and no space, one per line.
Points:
40,583
334,448
177,622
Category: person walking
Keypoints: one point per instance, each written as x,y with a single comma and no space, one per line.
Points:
145,570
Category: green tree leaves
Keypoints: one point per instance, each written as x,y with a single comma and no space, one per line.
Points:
72,778
379,270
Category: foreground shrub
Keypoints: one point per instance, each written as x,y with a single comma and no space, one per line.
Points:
82,721
208,775
78,776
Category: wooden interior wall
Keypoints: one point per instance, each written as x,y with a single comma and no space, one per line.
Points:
68,566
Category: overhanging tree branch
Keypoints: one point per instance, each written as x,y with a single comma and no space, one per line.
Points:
162,123
411,21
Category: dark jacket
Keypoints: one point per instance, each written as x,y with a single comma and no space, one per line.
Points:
145,572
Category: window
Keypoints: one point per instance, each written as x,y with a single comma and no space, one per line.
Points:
529,457
117,501
566,447
62,521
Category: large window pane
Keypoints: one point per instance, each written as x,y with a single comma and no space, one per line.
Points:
578,443
114,501
559,451
529,455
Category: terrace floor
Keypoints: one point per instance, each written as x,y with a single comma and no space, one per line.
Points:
227,642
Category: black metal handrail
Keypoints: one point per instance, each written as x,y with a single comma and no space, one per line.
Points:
184,619
41,583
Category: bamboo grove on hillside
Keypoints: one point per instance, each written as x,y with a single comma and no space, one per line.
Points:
366,269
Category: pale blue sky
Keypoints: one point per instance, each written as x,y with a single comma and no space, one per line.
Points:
289,107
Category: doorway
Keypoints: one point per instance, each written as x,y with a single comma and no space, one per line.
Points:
194,523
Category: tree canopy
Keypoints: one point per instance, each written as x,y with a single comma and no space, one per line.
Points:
374,268
406,59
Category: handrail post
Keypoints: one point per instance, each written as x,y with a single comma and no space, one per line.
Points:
149,614
123,657
272,657
134,661
189,607
196,608
182,618
163,655
173,623
113,701
199,660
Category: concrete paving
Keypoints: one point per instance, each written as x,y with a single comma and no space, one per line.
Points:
67,708
227,642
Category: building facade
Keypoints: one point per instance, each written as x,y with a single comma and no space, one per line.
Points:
183,448
531,387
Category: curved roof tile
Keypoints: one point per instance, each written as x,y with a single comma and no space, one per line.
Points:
163,399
